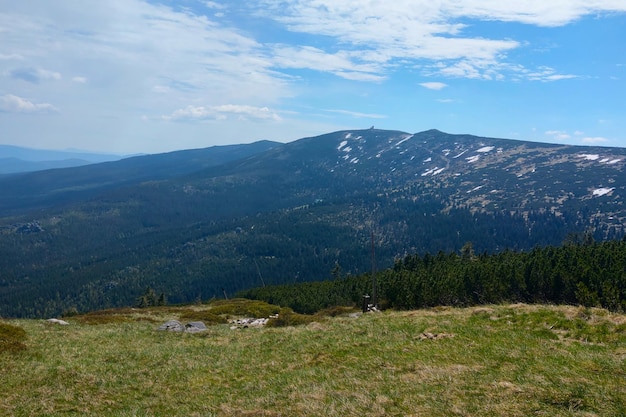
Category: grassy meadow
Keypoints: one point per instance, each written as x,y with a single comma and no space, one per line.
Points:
500,360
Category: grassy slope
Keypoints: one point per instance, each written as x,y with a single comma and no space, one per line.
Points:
514,360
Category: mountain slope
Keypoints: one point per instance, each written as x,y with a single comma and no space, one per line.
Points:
61,186
16,159
291,212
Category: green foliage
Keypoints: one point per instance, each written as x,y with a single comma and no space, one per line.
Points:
150,299
12,338
240,307
589,274
205,316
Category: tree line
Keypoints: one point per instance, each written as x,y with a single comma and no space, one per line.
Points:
581,272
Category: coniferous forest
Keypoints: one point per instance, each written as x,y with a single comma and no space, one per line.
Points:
580,271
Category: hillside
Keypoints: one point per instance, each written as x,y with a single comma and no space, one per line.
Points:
60,187
507,360
195,224
17,159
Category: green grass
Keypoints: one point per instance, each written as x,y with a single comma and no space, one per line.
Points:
514,360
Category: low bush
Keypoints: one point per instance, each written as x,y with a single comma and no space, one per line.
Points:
243,308
205,316
12,338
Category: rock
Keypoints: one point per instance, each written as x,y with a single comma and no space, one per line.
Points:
57,321
248,322
172,326
176,326
195,327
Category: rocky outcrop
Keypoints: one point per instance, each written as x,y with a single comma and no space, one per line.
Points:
176,326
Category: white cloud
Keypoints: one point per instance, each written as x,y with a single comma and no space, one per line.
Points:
594,140
222,112
545,74
214,5
13,104
34,75
533,12
431,31
406,30
358,115
558,134
11,57
434,85
341,63
124,59
124,45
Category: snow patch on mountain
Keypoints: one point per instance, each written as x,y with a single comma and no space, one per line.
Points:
433,171
589,157
486,149
602,191
475,189
404,140
474,158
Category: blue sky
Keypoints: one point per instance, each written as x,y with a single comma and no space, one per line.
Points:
131,76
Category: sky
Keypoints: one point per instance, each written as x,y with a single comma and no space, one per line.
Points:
137,76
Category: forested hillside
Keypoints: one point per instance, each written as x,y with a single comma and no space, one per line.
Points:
579,272
203,223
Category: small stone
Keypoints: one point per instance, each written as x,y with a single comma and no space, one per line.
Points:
57,321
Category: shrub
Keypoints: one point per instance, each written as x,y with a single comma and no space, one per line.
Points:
207,317
243,307
11,338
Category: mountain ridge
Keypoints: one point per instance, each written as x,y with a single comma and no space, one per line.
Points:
291,212
18,159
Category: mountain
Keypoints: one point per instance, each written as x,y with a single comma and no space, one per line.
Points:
63,186
16,159
194,224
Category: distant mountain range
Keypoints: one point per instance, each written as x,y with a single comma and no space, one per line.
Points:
15,159
194,224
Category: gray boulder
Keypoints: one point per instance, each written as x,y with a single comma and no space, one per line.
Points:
195,327
172,326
